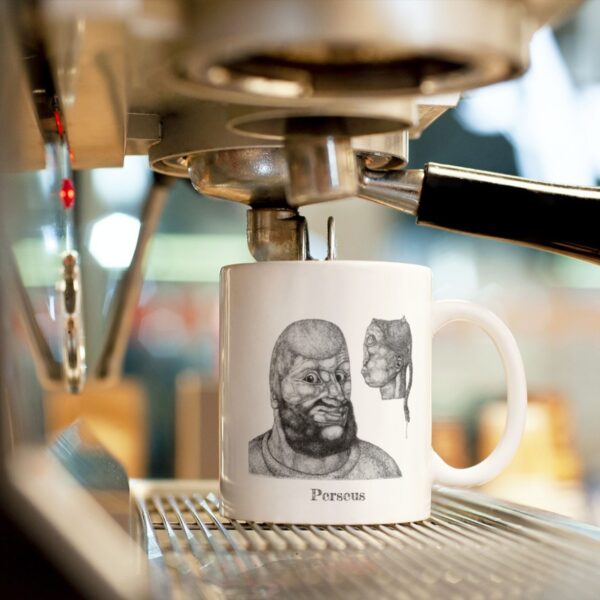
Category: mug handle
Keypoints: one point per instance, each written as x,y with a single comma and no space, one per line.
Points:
447,311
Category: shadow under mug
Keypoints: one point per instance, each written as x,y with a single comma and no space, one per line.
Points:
325,392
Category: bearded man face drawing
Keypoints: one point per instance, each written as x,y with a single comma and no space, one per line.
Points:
311,388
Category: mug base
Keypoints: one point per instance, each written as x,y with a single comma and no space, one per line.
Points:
358,521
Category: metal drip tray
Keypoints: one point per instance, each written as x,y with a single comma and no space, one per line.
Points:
472,547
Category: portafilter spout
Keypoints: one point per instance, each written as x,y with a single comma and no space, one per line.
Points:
277,233
261,177
557,218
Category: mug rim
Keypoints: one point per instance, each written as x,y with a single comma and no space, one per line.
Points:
329,264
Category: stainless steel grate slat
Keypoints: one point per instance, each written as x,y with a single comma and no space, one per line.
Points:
471,547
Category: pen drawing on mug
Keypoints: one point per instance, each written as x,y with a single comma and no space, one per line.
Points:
387,359
314,432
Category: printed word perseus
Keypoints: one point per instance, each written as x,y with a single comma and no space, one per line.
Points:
317,494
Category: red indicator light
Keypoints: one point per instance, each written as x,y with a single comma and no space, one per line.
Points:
67,193
59,124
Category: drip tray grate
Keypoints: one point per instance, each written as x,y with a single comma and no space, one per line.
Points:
472,547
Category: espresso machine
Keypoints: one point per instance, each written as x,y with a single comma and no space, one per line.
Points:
276,105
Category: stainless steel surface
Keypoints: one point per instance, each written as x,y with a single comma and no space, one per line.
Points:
389,151
331,242
108,68
277,234
89,59
193,130
320,168
471,547
28,154
76,534
201,132
359,118
306,52
260,176
234,167
256,176
73,336
430,108
143,130
397,189
85,458
118,70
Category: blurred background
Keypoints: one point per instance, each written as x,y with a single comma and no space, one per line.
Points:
161,420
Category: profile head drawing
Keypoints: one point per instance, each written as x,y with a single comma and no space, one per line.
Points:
314,431
387,358
310,387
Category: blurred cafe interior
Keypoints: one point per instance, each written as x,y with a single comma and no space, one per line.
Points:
150,247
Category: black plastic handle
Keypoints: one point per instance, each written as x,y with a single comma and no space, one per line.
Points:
560,218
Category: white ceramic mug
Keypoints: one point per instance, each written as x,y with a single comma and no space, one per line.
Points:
325,393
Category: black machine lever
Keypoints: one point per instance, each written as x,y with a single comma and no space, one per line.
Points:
558,218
